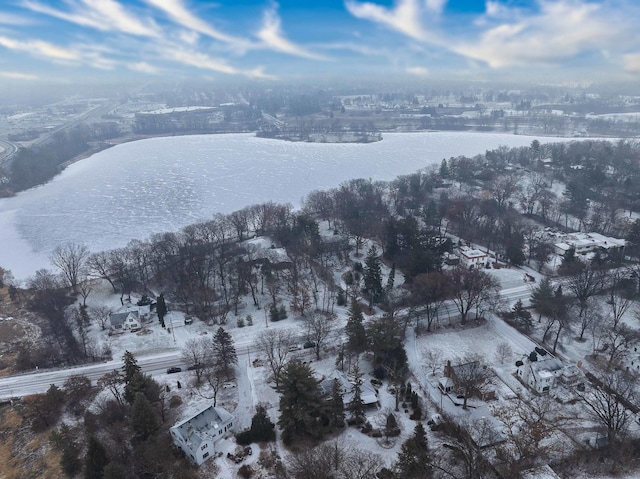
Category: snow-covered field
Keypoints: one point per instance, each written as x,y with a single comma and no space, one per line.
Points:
136,189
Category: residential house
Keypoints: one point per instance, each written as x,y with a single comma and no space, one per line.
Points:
198,435
545,373
368,394
472,258
470,377
124,321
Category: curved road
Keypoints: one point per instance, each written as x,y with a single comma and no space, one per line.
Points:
7,150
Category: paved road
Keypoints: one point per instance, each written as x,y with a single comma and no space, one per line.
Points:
155,364
38,382
7,150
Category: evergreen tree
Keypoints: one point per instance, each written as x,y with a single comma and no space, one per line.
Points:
356,334
143,419
542,298
161,308
130,367
373,276
95,460
142,383
224,353
336,405
391,279
300,401
262,428
356,406
64,441
521,315
114,471
414,461
444,169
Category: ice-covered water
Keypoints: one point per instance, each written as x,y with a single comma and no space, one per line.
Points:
162,184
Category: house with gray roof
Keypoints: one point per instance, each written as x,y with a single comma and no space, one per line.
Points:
124,321
198,435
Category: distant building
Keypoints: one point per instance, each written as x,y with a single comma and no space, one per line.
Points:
472,258
198,435
584,243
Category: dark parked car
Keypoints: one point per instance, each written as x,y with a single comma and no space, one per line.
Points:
309,344
174,369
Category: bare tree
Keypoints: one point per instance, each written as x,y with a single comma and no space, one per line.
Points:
503,352
530,428
608,402
618,296
101,314
275,344
70,259
471,377
469,289
584,283
319,327
197,354
334,460
617,341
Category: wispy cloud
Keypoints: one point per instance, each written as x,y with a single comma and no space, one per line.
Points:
18,76
418,71
103,15
39,48
562,29
143,67
11,19
178,13
273,38
404,17
205,62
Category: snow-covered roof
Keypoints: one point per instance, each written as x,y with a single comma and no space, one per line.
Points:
368,394
547,367
202,426
472,253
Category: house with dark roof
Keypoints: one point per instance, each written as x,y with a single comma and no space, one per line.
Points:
198,435
124,321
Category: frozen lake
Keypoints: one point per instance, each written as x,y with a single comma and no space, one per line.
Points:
162,184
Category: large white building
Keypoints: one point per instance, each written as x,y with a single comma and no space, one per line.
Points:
588,242
198,435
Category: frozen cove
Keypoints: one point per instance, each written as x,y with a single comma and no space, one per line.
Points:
136,189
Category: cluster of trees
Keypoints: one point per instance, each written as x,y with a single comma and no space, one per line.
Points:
35,165
124,435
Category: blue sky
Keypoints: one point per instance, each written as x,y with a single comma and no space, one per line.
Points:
542,40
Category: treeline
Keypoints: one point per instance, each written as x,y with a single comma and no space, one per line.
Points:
38,164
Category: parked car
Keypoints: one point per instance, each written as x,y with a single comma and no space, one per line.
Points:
309,344
174,369
188,319
294,347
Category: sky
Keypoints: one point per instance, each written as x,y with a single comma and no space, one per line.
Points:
541,40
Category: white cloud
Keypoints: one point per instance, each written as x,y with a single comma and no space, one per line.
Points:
10,19
18,75
404,17
177,11
273,38
103,15
562,29
39,48
632,62
143,67
418,71
205,62
435,6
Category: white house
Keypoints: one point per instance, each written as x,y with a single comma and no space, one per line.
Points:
544,374
125,321
198,435
472,258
